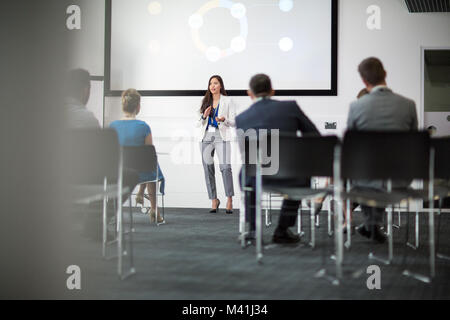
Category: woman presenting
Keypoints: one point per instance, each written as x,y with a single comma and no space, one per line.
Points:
217,114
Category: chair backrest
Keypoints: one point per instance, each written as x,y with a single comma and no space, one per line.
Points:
304,157
91,155
385,155
442,157
288,156
258,143
140,158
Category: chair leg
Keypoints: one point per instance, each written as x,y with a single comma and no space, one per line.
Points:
440,255
267,222
339,241
299,222
390,235
432,251
242,230
119,239
397,226
330,230
105,221
416,232
312,243
162,200
132,269
259,253
258,194
348,243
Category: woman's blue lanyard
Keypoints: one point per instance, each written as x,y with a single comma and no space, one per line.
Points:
213,122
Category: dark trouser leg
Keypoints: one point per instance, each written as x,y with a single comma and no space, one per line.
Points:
250,212
372,216
288,215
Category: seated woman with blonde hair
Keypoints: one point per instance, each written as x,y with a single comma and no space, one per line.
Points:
133,132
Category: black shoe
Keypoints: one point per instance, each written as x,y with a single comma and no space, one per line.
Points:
344,230
216,209
285,236
363,231
229,211
378,236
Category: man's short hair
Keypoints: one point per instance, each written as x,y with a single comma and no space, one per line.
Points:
371,70
77,81
260,85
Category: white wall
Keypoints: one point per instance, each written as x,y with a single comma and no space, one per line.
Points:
397,44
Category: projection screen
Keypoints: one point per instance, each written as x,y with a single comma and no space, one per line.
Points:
172,47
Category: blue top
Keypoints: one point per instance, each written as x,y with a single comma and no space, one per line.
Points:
132,133
212,120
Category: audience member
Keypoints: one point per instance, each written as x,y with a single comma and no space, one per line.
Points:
133,132
78,89
287,117
381,109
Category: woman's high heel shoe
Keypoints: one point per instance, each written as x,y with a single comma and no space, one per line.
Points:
153,218
139,199
229,211
216,209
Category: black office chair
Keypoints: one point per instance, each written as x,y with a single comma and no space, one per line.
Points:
144,159
388,156
93,159
302,158
285,151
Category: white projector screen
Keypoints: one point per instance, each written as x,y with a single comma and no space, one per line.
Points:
172,47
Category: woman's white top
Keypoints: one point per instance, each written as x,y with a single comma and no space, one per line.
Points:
227,109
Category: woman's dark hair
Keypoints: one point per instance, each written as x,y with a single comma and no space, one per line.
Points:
208,98
362,92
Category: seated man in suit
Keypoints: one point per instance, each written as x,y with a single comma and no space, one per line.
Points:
287,117
78,89
77,116
381,109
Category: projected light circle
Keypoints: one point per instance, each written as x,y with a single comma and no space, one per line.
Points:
154,47
154,8
238,10
286,5
237,44
285,44
195,21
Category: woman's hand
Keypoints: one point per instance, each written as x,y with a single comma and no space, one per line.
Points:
221,119
207,112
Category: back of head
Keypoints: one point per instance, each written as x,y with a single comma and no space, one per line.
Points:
78,84
372,71
260,85
131,100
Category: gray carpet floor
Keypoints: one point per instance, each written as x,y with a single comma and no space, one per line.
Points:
196,255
